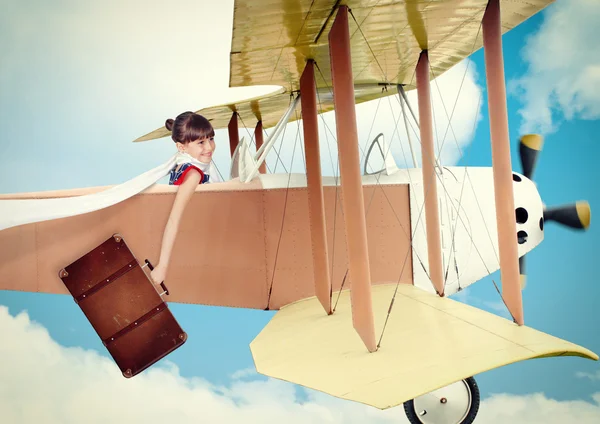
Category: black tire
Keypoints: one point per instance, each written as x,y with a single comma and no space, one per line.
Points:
413,417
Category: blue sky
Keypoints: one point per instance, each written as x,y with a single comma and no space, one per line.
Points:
69,117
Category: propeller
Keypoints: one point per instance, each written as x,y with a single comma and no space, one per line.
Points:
576,216
530,146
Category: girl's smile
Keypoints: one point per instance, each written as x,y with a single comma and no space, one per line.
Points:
201,149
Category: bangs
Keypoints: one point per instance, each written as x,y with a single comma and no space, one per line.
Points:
197,127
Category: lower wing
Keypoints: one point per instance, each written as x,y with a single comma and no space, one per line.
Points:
429,342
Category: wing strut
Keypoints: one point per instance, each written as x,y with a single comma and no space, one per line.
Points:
432,215
308,91
258,136
503,184
352,193
234,135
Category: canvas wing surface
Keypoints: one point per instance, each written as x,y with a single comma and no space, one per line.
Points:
429,342
250,108
272,40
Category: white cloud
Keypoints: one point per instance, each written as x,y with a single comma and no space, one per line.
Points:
591,376
82,80
537,408
127,61
563,57
456,105
41,381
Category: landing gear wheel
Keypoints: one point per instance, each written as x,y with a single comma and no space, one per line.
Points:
457,403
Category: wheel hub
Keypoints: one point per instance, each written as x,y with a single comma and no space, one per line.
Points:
447,405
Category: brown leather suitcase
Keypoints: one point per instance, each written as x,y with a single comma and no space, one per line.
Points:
123,306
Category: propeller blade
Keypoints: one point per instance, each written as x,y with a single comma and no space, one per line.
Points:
529,148
522,272
576,216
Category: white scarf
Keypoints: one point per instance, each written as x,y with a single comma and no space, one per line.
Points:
15,212
208,168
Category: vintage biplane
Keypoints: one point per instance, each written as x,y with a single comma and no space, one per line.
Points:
359,268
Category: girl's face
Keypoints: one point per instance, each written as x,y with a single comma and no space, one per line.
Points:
201,149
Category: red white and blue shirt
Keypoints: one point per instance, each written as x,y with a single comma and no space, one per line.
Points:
179,172
185,163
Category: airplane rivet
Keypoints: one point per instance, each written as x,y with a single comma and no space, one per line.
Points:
443,400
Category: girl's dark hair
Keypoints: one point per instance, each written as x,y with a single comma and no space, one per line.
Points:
189,126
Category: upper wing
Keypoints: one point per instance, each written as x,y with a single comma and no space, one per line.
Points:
272,40
268,109
250,109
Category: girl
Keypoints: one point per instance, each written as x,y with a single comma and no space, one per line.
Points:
194,137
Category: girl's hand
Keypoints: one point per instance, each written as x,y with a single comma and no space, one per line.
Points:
158,275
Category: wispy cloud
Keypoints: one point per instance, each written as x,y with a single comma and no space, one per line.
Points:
537,408
563,59
495,306
42,381
592,376
244,374
498,307
81,80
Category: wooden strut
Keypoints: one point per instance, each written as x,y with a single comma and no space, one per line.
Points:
234,135
258,136
501,162
316,204
432,217
351,182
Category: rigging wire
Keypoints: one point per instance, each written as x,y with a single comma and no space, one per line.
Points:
441,180
466,165
281,148
447,196
395,214
379,176
467,176
274,147
370,130
389,147
282,138
252,141
276,152
282,224
444,205
301,144
367,212
402,101
336,177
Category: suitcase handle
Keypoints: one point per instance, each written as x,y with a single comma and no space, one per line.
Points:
162,284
